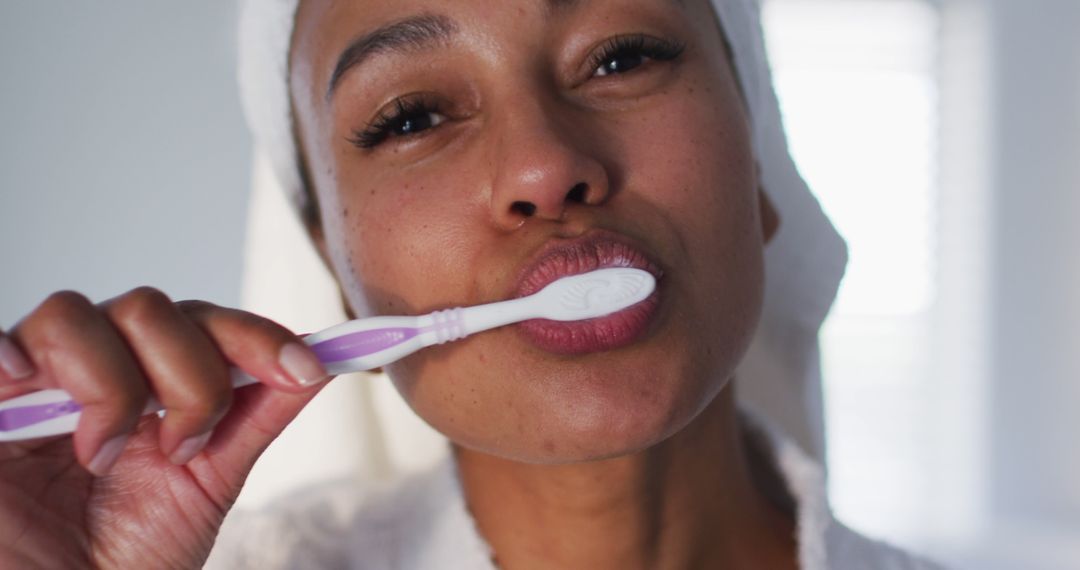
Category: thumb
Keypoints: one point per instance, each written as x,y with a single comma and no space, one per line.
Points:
258,416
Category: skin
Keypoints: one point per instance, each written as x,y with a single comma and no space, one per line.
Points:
636,449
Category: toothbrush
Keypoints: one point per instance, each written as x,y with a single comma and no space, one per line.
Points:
363,344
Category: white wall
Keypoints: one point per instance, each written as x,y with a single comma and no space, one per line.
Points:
123,156
1033,426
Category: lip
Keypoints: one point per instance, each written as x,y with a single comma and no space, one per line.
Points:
596,250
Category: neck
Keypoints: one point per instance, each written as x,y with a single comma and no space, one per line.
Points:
688,502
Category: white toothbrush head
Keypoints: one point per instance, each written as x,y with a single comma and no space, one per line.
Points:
594,294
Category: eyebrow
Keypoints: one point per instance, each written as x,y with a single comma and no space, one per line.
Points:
414,33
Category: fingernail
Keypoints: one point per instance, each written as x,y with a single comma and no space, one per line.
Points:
12,360
301,365
189,448
108,454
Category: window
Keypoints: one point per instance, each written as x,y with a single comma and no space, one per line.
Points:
857,83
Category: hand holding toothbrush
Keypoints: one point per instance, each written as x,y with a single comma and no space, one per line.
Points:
59,496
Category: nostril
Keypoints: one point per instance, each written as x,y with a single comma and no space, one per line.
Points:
525,208
577,193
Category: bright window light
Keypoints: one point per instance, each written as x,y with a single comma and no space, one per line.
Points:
857,85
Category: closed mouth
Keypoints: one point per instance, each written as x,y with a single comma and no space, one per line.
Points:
597,250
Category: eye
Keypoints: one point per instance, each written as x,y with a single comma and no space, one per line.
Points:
625,53
407,117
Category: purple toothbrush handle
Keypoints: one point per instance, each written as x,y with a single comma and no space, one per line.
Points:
447,325
361,343
25,416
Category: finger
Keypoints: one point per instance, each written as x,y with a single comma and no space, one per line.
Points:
186,372
80,351
259,346
13,362
275,356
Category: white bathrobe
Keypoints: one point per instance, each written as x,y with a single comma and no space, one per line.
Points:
421,523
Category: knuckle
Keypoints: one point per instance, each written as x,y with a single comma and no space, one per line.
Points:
197,407
140,306
61,310
191,306
208,401
129,402
119,403
64,304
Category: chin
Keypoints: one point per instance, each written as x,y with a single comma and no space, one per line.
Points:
573,410
609,411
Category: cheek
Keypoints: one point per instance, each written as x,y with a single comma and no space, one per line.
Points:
693,160
386,260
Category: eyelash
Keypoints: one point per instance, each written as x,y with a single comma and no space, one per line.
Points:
636,44
379,129
406,108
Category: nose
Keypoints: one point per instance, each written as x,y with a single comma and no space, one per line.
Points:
543,166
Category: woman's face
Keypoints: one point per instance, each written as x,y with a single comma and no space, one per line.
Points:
478,149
